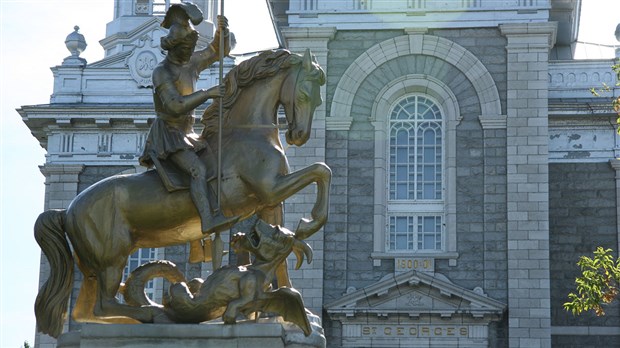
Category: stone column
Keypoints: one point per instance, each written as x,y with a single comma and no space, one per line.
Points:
61,186
615,164
309,279
494,213
529,304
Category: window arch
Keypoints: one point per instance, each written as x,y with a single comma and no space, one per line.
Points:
415,151
415,119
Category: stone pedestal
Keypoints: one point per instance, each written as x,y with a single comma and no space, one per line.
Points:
271,333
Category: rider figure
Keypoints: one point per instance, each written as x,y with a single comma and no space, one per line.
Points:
171,137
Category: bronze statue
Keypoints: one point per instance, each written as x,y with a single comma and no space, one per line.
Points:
230,290
171,138
114,217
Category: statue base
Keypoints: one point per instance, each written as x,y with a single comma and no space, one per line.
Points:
271,332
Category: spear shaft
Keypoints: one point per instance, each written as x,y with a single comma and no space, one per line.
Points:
221,113
217,247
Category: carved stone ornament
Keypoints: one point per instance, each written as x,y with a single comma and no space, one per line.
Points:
143,60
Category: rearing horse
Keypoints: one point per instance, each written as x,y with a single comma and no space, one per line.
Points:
111,219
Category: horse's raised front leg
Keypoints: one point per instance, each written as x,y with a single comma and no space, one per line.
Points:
287,185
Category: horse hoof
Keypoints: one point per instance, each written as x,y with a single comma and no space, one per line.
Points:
229,321
306,228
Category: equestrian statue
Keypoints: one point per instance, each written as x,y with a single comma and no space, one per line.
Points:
174,204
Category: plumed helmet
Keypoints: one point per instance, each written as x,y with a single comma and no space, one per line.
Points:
181,13
181,31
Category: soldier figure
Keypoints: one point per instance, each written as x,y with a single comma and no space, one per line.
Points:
171,138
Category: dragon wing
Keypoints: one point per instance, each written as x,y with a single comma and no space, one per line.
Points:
288,303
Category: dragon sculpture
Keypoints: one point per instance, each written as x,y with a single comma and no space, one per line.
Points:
230,290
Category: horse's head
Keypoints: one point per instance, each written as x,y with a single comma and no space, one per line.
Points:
300,95
271,243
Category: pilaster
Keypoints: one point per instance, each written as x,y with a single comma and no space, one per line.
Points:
528,183
615,164
61,186
309,279
494,212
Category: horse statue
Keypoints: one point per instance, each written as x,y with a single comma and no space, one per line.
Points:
114,217
230,290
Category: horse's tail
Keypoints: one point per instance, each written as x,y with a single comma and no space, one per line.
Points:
50,307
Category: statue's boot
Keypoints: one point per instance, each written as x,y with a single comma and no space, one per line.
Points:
215,221
204,200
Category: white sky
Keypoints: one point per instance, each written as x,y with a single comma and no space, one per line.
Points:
32,41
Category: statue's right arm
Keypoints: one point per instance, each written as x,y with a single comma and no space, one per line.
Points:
174,103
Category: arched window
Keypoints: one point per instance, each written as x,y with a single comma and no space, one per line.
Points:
415,119
415,160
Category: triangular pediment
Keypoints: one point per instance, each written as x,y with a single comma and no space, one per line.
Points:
145,37
131,37
416,294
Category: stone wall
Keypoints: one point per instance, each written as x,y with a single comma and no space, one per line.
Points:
480,182
582,217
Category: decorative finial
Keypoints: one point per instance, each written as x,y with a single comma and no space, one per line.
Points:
75,42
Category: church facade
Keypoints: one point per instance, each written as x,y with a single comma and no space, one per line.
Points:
471,164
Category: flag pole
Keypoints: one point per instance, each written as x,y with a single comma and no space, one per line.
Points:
217,248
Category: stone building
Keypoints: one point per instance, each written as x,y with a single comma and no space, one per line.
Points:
471,164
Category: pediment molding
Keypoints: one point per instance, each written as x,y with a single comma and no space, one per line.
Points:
415,294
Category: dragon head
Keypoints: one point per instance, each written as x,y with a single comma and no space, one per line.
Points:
269,243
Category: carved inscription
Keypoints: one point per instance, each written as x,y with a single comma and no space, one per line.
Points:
418,264
414,331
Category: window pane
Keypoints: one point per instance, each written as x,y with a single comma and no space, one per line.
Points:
401,234
429,232
402,173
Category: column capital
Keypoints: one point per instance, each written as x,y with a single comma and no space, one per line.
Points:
615,164
530,35
49,169
493,121
309,33
315,39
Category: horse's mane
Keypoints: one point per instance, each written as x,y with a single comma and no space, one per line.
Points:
264,65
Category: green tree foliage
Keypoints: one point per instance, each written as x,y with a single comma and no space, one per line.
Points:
598,285
600,280
26,345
